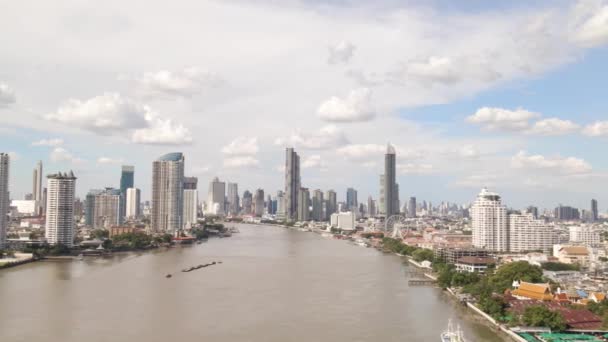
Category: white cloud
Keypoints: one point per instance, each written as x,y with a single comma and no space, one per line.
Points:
14,155
60,154
478,181
7,95
358,152
553,126
502,119
357,106
199,170
313,161
591,28
341,52
162,132
48,142
107,160
327,137
242,146
411,168
241,162
596,129
556,165
185,83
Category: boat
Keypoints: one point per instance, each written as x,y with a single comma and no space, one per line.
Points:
452,335
168,275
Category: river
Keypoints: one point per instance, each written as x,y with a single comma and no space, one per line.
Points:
274,284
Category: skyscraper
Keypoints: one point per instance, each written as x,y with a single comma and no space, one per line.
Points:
351,200
37,187
303,212
594,213
106,209
4,196
258,203
331,205
280,204
133,203
269,208
190,201
371,207
60,209
292,183
168,193
127,180
391,204
317,206
233,199
247,202
529,234
216,198
411,207
489,222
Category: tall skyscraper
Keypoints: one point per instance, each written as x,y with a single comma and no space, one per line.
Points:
4,196
133,203
280,204
89,206
292,183
233,199
216,198
371,207
567,213
268,203
60,209
127,181
37,187
391,203
258,203
317,206
331,205
106,210
594,212
351,200
303,212
411,207
168,193
247,203
489,222
190,202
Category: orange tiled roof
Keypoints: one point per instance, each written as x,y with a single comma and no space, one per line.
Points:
533,291
575,250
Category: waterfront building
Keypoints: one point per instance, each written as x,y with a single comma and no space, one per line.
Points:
331,205
60,209
585,235
594,212
190,201
450,255
303,205
4,196
233,199
344,220
168,193
411,208
106,209
529,234
391,205
37,187
472,264
258,203
489,222
292,184
351,200
317,206
247,203
217,197
127,181
133,203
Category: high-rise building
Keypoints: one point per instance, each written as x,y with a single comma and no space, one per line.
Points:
317,206
247,203
89,206
331,205
411,207
371,207
4,196
280,204
303,205
352,203
594,212
133,203
106,209
269,209
216,199
190,202
292,184
532,210
258,203
127,181
566,213
233,199
60,209
489,222
391,203
528,234
168,193
37,187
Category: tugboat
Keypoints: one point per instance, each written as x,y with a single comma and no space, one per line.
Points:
452,335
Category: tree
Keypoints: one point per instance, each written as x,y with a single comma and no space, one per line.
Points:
558,266
520,270
422,254
99,234
541,316
492,305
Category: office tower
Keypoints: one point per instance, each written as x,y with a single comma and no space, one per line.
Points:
106,209
585,235
78,208
303,212
127,181
280,204
317,206
168,193
247,202
391,205
258,203
268,204
532,210
489,222
89,206
351,200
411,207
332,203
371,207
133,211
44,193
292,183
233,199
190,202
60,209
566,213
37,187
529,234
594,213
4,196
217,197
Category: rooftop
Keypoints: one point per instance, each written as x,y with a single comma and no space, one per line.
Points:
174,156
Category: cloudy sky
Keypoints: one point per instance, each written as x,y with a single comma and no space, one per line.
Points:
510,97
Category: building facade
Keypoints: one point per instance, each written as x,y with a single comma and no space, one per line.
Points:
168,193
585,235
411,207
233,199
190,202
317,206
4,196
292,184
106,209
391,204
489,222
37,188
303,213
127,181
133,203
528,234
258,203
60,209
216,198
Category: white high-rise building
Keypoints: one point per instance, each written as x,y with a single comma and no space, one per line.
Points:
133,203
4,196
585,235
60,209
190,202
168,193
529,234
216,199
37,187
489,222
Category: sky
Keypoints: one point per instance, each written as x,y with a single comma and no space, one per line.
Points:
471,94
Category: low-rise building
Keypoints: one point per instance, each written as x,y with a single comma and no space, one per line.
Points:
343,220
474,264
572,254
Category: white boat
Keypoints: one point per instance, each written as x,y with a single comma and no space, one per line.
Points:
452,335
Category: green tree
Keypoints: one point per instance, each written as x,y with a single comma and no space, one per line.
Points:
558,266
504,276
541,316
99,234
494,306
422,254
